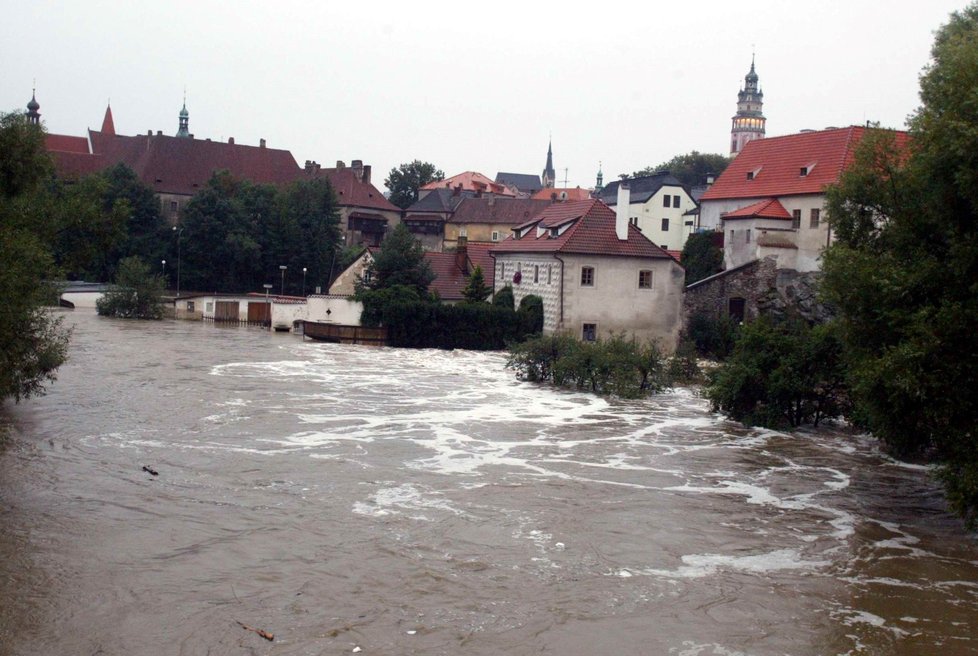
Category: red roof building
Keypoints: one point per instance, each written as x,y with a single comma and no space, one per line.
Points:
470,181
598,275
770,201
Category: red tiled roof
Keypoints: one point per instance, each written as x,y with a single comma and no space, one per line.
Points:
568,193
776,164
65,143
769,208
593,233
449,279
676,255
74,166
478,252
472,181
108,125
507,211
351,191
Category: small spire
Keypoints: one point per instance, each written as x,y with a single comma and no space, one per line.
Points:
184,129
108,125
33,116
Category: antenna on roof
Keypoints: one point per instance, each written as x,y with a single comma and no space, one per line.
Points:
565,177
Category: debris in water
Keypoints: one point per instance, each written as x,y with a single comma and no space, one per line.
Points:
356,650
149,470
265,634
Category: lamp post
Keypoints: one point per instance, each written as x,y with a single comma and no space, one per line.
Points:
268,306
304,281
164,270
179,234
282,268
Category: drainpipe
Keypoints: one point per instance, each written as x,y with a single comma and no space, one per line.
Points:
557,257
493,258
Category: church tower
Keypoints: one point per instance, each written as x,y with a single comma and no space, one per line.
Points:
184,130
33,116
599,182
748,124
549,175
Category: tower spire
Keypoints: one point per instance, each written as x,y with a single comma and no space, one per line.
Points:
33,116
549,175
184,130
749,122
108,125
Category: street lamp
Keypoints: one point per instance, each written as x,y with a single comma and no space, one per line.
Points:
179,234
268,306
303,281
282,268
164,270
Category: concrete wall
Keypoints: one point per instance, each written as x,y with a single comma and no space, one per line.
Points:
615,303
284,315
333,309
82,299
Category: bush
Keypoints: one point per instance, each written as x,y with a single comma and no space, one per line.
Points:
137,293
713,337
616,366
684,368
781,375
504,298
531,315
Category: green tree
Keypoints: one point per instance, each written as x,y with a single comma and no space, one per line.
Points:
33,343
146,232
781,375
404,181
309,233
136,294
690,169
400,261
701,257
903,272
476,290
531,315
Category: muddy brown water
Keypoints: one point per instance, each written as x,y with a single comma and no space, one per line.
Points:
361,500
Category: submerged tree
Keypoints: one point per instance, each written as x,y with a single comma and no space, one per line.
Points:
136,294
903,272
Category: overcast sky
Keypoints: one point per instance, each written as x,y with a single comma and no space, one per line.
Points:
467,86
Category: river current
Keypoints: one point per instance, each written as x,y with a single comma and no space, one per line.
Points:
367,500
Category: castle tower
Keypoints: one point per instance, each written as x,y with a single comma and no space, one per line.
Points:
599,182
748,123
549,175
33,116
184,130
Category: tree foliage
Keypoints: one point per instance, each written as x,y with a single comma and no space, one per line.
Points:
400,261
136,294
904,272
476,290
690,169
701,257
782,375
33,343
504,298
404,181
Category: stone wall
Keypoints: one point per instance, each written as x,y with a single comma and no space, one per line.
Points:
766,290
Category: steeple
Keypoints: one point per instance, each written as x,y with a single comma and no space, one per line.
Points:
184,130
749,122
549,175
599,183
108,125
33,116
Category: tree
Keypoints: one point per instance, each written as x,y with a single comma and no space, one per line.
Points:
33,343
781,375
137,293
690,169
400,262
903,272
504,298
701,257
476,290
404,181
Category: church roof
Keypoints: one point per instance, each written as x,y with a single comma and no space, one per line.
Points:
525,182
592,233
773,166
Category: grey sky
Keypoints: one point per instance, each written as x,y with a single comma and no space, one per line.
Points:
467,86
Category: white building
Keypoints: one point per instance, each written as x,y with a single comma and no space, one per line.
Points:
657,206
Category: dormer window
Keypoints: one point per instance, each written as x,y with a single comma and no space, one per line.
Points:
753,174
805,170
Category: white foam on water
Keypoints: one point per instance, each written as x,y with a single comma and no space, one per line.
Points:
406,497
691,648
700,565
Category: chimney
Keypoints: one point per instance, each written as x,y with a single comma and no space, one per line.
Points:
340,164
621,211
357,166
309,165
159,133
457,190
149,133
261,143
710,179
366,174
462,255
231,140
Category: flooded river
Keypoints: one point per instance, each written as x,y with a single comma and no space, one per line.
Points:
377,501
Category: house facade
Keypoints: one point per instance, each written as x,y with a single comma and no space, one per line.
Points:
659,207
597,273
489,218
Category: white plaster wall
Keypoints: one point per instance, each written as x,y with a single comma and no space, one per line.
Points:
651,213
345,283
82,299
710,210
810,241
547,286
284,315
340,309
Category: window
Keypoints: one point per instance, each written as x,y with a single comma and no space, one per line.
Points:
665,200
816,218
536,273
550,274
634,220
675,201
587,276
190,306
645,279
750,175
209,307
502,271
173,206
731,236
796,219
665,225
735,308
495,235
803,171
747,235
463,232
590,332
